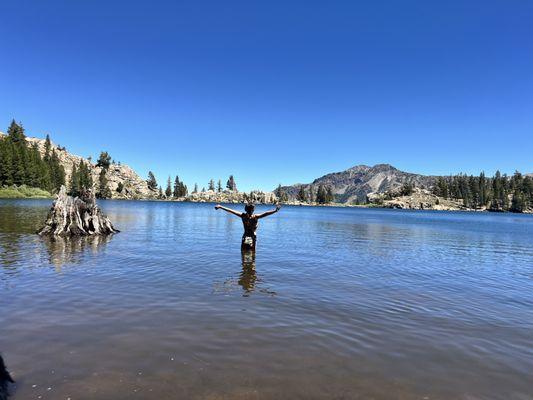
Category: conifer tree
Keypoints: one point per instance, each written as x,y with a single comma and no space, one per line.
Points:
302,195
183,190
281,194
47,147
104,161
329,195
177,184
74,185
15,132
168,190
151,181
103,188
518,202
321,195
231,185
311,194
57,172
406,189
211,185
219,186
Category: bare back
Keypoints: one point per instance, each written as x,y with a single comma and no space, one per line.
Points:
250,223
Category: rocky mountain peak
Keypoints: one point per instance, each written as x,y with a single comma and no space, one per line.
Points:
355,183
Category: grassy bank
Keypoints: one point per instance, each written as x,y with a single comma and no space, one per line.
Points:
23,192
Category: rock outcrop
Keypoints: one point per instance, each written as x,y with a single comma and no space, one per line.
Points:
133,186
76,216
419,199
231,196
354,184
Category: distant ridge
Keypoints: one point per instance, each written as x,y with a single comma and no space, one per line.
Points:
355,183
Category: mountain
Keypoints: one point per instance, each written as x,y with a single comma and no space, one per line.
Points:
356,183
134,187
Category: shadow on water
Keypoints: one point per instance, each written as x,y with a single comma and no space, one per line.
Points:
70,250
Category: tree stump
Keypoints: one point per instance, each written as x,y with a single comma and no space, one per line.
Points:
76,216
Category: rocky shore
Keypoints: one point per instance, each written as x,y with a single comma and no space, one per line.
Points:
228,196
419,199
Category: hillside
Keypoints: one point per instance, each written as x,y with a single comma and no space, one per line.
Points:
354,184
134,187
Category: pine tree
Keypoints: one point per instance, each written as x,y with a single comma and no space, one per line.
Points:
74,184
22,164
211,185
86,179
311,194
183,190
329,195
518,203
281,194
195,190
219,186
47,147
103,188
321,195
81,179
231,185
19,170
177,185
6,162
104,161
168,190
15,133
57,172
151,181
302,196
406,189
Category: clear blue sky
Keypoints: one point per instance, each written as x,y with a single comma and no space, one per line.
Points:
275,91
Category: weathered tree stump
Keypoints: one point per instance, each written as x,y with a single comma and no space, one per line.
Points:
76,216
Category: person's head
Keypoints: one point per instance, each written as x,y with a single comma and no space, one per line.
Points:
249,208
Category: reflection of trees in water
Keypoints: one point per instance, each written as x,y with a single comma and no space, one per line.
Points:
10,254
63,250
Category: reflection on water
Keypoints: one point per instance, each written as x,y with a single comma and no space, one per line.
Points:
335,303
248,275
70,250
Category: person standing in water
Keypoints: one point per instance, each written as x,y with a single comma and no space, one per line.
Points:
249,221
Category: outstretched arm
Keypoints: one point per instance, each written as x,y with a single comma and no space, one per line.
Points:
238,214
267,213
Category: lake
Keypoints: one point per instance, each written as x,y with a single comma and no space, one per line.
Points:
338,303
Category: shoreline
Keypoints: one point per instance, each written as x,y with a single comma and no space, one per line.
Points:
292,204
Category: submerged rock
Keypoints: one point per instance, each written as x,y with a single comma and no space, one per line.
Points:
76,216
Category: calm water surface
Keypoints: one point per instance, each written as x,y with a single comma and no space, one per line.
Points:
337,304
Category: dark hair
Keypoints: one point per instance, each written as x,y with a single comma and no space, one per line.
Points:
249,207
